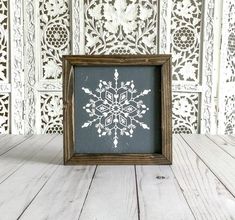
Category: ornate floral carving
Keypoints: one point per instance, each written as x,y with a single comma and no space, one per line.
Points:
228,69
4,113
185,112
54,24
30,66
5,87
184,38
3,40
185,32
230,56
121,26
17,78
208,64
230,114
115,108
164,27
55,41
77,48
51,113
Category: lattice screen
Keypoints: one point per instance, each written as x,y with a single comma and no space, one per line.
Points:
42,31
4,73
186,22
227,73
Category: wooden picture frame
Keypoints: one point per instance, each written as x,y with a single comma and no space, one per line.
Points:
164,64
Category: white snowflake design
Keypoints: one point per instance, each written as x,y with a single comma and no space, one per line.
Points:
115,108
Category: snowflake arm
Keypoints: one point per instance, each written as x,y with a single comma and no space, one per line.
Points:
89,123
142,124
89,92
144,93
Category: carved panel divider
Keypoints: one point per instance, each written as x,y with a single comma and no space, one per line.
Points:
226,117
30,65
54,39
4,68
17,66
186,38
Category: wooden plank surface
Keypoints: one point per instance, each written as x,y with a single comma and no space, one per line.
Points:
15,158
219,162
1,136
205,194
160,196
199,184
8,142
18,191
63,196
225,142
112,195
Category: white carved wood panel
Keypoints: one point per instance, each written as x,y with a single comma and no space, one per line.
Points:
51,112
226,120
4,73
4,113
42,31
121,26
186,25
54,39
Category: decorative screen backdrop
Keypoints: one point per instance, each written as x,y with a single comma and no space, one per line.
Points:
227,96
4,73
35,34
186,19
121,27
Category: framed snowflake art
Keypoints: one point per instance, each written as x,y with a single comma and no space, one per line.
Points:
117,109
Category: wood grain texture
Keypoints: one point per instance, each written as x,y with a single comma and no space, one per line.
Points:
163,61
15,158
123,159
112,195
9,142
82,60
205,194
37,186
220,162
18,191
64,194
160,196
225,142
166,108
2,135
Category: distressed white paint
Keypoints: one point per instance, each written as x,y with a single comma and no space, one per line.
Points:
39,187
17,62
226,115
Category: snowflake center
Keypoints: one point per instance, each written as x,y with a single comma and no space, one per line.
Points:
116,108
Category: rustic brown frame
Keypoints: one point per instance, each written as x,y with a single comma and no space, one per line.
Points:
70,157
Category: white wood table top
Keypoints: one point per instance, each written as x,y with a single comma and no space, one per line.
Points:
35,185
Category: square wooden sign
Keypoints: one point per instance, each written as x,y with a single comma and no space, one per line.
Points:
117,109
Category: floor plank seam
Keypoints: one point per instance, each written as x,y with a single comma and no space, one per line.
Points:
208,167
83,204
16,144
2,136
221,147
137,193
60,164
12,173
23,163
183,193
